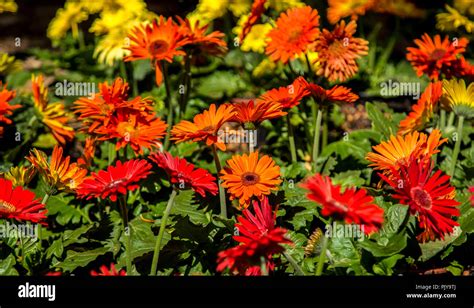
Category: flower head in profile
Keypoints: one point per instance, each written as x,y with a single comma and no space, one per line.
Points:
199,40
429,196
258,8
116,180
258,237
248,176
184,175
400,149
339,9
6,109
338,51
52,115
288,97
59,173
105,271
337,94
458,98
158,41
205,126
250,114
352,206
423,110
453,19
20,175
295,30
20,204
435,56
88,153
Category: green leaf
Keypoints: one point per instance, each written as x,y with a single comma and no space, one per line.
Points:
7,266
75,259
185,205
380,122
348,148
394,245
385,267
343,252
56,249
432,248
349,178
220,84
61,205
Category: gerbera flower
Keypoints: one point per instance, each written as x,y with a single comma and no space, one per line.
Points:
211,44
258,8
458,97
118,179
250,114
135,130
471,190
423,110
248,176
60,173
430,197
258,238
158,42
88,153
339,9
288,97
338,51
452,19
104,271
52,115
352,206
295,30
335,94
399,149
435,57
67,18
20,176
20,204
204,127
184,175
5,108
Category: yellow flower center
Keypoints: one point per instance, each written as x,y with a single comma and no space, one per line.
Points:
6,207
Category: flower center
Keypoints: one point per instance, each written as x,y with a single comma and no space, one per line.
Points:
158,47
294,35
421,197
337,48
114,184
437,54
250,178
209,129
6,207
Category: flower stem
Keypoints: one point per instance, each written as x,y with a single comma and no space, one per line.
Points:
263,266
222,199
322,256
159,239
457,146
325,129
127,231
450,119
291,138
111,154
317,131
299,271
187,83
169,101
442,119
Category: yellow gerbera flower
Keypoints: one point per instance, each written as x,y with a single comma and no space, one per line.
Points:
66,19
8,64
458,97
8,6
20,176
256,39
452,20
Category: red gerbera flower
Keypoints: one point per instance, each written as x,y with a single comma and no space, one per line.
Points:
435,57
335,94
353,206
185,175
472,195
258,8
258,237
288,97
20,204
430,197
295,30
104,271
116,180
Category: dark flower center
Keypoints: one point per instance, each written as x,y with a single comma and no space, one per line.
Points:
6,207
437,54
209,129
250,178
421,197
158,47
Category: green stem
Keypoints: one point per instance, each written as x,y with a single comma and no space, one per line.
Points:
291,138
291,69
222,199
123,70
263,266
187,83
322,256
457,146
169,100
325,129
299,271
442,119
450,119
159,239
80,37
112,153
317,131
127,231
310,70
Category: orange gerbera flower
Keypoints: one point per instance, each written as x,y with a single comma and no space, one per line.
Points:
205,126
88,153
335,94
288,97
60,173
197,39
339,9
52,115
338,51
295,30
97,111
5,108
158,42
435,57
247,176
423,110
258,8
399,149
250,114
136,130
